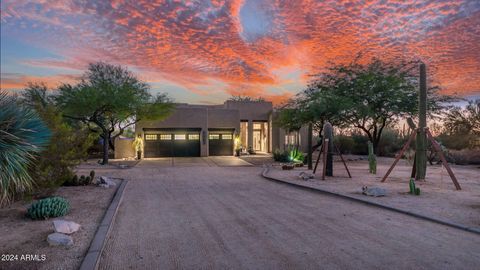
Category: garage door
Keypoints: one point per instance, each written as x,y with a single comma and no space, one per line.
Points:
172,143
220,143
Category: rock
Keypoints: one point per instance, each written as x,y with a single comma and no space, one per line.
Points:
60,239
106,182
306,176
374,191
66,227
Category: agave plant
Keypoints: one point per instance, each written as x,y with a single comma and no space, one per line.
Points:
296,156
22,135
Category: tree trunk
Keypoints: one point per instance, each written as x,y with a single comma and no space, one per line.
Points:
106,139
309,140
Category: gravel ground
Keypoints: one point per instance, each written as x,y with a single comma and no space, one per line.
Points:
438,195
21,235
231,218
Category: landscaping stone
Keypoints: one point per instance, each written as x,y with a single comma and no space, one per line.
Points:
306,176
374,191
106,182
288,167
60,239
66,227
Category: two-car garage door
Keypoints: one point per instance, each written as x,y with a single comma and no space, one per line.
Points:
172,143
186,143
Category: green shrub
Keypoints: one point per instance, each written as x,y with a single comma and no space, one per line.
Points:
344,143
296,156
68,145
360,146
48,207
280,156
390,143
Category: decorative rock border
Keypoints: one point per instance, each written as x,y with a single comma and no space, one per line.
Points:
351,198
96,246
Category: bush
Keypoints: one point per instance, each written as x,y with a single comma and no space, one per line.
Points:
67,148
457,142
465,157
390,143
344,143
281,156
360,146
49,207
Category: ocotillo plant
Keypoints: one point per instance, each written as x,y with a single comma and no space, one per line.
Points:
328,134
372,159
421,140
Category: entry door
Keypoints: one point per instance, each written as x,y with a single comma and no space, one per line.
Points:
257,140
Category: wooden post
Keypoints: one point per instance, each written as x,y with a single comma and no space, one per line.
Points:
344,163
309,154
318,159
438,149
405,147
421,141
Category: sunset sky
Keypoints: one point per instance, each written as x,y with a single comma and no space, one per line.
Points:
205,51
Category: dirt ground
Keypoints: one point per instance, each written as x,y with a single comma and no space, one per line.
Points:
438,195
21,235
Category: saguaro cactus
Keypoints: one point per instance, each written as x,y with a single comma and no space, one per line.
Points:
421,140
328,134
372,159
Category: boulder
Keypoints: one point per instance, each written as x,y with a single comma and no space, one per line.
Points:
306,176
106,182
374,191
66,227
60,239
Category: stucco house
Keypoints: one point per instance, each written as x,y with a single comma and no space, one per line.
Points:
213,130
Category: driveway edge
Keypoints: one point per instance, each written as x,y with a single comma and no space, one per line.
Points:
94,252
265,175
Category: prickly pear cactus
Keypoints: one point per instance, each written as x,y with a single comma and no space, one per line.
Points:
49,207
372,159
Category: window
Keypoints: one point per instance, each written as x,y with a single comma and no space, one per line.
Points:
180,137
226,136
150,137
214,136
165,137
257,125
195,137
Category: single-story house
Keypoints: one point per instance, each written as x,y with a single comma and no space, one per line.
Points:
213,130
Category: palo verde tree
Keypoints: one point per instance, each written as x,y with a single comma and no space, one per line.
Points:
373,96
109,99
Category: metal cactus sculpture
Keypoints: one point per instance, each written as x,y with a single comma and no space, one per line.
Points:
372,159
328,135
421,139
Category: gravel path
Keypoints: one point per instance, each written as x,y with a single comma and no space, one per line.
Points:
231,218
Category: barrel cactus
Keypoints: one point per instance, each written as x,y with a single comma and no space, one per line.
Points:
48,207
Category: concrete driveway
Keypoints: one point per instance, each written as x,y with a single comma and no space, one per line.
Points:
210,217
213,161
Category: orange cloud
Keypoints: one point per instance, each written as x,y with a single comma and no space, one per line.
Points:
197,44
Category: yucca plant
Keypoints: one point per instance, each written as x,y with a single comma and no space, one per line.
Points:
22,134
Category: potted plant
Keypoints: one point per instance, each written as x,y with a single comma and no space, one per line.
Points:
138,144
